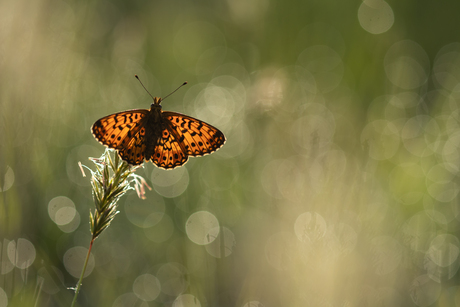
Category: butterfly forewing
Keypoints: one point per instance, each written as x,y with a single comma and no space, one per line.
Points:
117,130
197,137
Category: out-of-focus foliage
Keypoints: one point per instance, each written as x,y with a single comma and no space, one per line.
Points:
338,185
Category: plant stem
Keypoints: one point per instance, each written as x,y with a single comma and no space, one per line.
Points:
82,273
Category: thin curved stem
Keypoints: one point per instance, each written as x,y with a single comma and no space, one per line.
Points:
82,273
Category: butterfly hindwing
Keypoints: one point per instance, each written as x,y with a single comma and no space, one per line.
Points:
197,137
168,152
118,130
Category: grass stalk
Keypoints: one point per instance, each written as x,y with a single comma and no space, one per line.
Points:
112,178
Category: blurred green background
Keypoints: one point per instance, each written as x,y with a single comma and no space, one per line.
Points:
338,184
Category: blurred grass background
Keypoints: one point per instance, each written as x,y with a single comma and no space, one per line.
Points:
338,184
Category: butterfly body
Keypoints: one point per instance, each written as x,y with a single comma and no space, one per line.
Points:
166,138
154,124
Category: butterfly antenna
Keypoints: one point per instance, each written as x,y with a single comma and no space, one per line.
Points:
137,77
174,90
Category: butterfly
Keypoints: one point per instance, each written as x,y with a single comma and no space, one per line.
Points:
166,138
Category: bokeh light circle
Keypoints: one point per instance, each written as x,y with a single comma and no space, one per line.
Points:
424,291
173,278
62,211
215,248
65,215
186,300
218,101
375,16
407,65
56,205
170,183
440,183
420,135
22,254
310,227
446,68
147,287
202,227
440,212
444,250
138,210
74,259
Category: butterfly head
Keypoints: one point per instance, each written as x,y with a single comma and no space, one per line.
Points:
156,103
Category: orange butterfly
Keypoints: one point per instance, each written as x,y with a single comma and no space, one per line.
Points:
166,138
